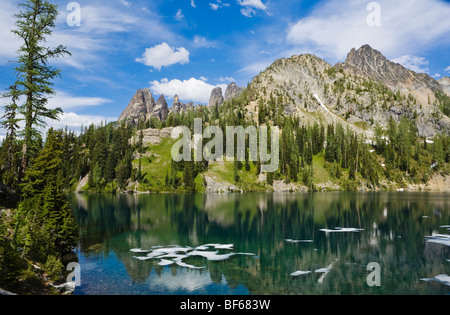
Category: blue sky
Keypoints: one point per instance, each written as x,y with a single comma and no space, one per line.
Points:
187,47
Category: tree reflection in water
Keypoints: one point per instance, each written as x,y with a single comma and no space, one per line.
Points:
387,228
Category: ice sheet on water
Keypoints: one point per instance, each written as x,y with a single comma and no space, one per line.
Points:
289,240
175,253
212,256
444,279
182,264
138,250
299,273
165,262
142,258
341,230
443,239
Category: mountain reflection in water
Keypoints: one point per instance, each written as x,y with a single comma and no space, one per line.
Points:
336,234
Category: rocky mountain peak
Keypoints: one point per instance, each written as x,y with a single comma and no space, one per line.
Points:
216,97
232,91
161,109
370,63
444,82
140,106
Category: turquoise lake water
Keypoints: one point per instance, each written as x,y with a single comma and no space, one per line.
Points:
263,243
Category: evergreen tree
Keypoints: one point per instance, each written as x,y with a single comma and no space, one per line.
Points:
34,75
9,164
45,222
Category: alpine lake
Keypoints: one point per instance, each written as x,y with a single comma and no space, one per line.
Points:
320,243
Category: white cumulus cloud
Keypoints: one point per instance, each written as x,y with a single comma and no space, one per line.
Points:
163,55
195,90
414,63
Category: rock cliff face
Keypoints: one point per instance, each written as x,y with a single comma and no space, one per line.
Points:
139,108
143,106
445,84
216,97
232,91
178,107
365,90
161,110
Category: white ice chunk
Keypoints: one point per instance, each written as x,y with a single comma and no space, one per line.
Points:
165,262
325,271
212,256
139,250
182,264
444,279
299,273
218,246
443,239
142,257
224,246
339,229
298,241
201,247
173,256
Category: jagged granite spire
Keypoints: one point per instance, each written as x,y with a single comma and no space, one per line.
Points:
139,108
216,97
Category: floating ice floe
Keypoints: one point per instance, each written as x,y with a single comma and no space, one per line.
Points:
142,258
443,239
444,279
341,230
138,250
175,254
165,262
298,241
299,273
182,264
212,256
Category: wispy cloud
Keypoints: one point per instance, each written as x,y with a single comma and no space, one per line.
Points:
218,5
203,42
333,28
414,63
250,7
67,101
179,15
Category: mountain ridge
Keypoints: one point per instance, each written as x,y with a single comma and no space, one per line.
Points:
362,92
